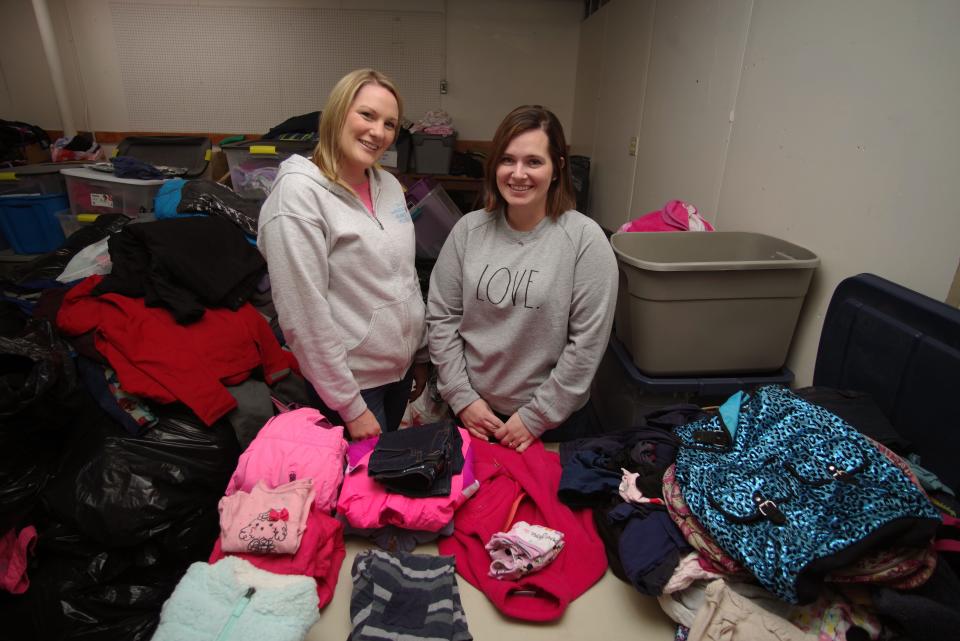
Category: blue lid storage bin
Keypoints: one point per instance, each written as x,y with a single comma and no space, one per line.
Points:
30,223
903,349
623,395
697,386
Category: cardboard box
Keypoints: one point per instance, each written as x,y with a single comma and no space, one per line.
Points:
36,153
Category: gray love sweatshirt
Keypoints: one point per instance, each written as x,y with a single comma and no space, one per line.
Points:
343,281
521,319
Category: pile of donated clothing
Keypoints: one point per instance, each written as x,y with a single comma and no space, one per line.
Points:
157,440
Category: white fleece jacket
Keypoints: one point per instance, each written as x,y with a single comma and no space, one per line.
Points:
234,600
343,281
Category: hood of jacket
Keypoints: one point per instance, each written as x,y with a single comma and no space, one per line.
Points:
297,164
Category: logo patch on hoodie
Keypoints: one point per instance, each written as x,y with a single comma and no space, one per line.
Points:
400,213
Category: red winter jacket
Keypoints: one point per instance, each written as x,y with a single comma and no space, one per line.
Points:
532,477
156,358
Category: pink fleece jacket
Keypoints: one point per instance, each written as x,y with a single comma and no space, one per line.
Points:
367,504
523,487
295,445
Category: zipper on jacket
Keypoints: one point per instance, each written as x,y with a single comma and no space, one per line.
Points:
373,214
238,609
376,199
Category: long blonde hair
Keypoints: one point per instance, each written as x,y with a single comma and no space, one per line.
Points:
326,155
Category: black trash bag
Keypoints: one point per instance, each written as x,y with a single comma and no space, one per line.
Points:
40,396
12,318
39,272
121,490
83,590
121,520
36,372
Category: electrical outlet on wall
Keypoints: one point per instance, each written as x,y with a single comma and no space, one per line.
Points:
632,149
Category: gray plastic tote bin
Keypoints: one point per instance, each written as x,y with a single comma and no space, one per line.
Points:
709,302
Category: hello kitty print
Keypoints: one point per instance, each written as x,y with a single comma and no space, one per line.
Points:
266,520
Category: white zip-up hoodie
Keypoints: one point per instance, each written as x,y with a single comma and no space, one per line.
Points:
343,281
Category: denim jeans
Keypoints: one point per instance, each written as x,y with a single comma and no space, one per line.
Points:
387,402
419,461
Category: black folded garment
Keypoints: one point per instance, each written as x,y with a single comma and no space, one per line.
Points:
419,461
130,167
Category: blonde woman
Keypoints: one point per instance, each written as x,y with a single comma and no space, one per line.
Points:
339,245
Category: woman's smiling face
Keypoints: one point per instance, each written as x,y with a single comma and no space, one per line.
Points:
525,171
370,127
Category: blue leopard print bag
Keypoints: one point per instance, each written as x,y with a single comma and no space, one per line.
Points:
793,492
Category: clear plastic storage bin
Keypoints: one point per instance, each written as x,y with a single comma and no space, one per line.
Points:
433,218
254,163
97,192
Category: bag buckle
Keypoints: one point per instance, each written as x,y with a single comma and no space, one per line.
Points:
769,509
840,475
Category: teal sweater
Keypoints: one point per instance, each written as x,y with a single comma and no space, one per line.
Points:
232,600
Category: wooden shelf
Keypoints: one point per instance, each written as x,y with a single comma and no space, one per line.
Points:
454,183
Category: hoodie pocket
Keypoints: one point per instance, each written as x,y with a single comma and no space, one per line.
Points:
392,337
383,333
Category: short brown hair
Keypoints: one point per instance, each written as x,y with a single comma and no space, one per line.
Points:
560,196
326,155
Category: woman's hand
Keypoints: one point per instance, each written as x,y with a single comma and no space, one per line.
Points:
421,371
479,419
515,434
364,426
